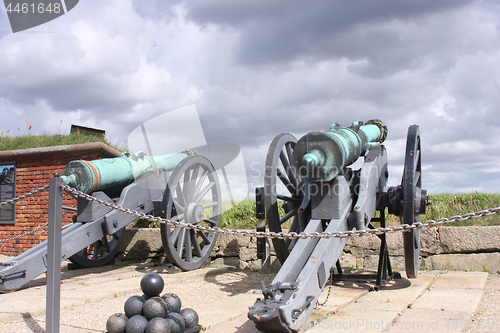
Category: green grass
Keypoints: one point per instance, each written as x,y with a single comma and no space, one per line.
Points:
448,204
44,140
242,216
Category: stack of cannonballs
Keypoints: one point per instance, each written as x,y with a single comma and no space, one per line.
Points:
151,313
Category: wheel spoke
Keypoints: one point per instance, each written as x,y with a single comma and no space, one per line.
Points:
188,185
196,245
210,205
288,199
417,177
180,242
288,215
286,182
285,160
189,251
96,250
107,249
181,200
212,223
175,234
178,207
417,160
200,182
204,237
203,192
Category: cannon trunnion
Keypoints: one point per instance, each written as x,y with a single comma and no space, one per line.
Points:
318,191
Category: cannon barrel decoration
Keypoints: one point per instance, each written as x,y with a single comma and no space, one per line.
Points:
319,192
183,187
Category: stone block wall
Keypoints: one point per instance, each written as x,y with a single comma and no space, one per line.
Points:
452,248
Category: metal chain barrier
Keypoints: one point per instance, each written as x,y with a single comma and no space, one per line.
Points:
292,235
25,196
25,234
19,198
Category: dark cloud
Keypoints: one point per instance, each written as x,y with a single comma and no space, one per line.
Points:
274,32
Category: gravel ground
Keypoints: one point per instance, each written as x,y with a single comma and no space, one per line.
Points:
487,317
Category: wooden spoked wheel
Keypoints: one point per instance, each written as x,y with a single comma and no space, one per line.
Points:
413,200
283,186
192,197
100,252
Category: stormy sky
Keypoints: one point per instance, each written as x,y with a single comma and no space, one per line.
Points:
254,69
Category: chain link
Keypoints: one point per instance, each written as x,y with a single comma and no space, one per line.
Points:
25,234
292,235
19,198
24,196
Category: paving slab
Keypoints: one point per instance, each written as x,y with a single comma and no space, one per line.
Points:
460,280
354,317
240,324
227,309
435,300
449,299
402,291
430,321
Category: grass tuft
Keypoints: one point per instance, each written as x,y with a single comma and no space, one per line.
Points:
44,140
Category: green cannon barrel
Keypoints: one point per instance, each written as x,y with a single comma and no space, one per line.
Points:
321,156
98,175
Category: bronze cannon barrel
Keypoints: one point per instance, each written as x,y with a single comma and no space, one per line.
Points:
320,156
98,175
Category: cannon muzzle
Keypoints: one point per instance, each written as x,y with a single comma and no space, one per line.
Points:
322,155
98,175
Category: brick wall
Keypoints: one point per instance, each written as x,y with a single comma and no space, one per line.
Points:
33,212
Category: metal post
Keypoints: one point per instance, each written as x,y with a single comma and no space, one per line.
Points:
53,302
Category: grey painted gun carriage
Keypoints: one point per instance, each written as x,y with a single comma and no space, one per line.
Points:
311,178
182,187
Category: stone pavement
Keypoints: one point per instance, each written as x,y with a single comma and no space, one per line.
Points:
434,301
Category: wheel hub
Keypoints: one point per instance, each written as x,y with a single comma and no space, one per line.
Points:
194,213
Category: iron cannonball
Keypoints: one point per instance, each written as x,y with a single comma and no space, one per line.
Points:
158,325
116,323
173,302
136,324
133,306
145,297
152,284
190,317
178,319
154,307
174,327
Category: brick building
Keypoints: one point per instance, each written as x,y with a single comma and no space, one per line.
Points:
24,170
